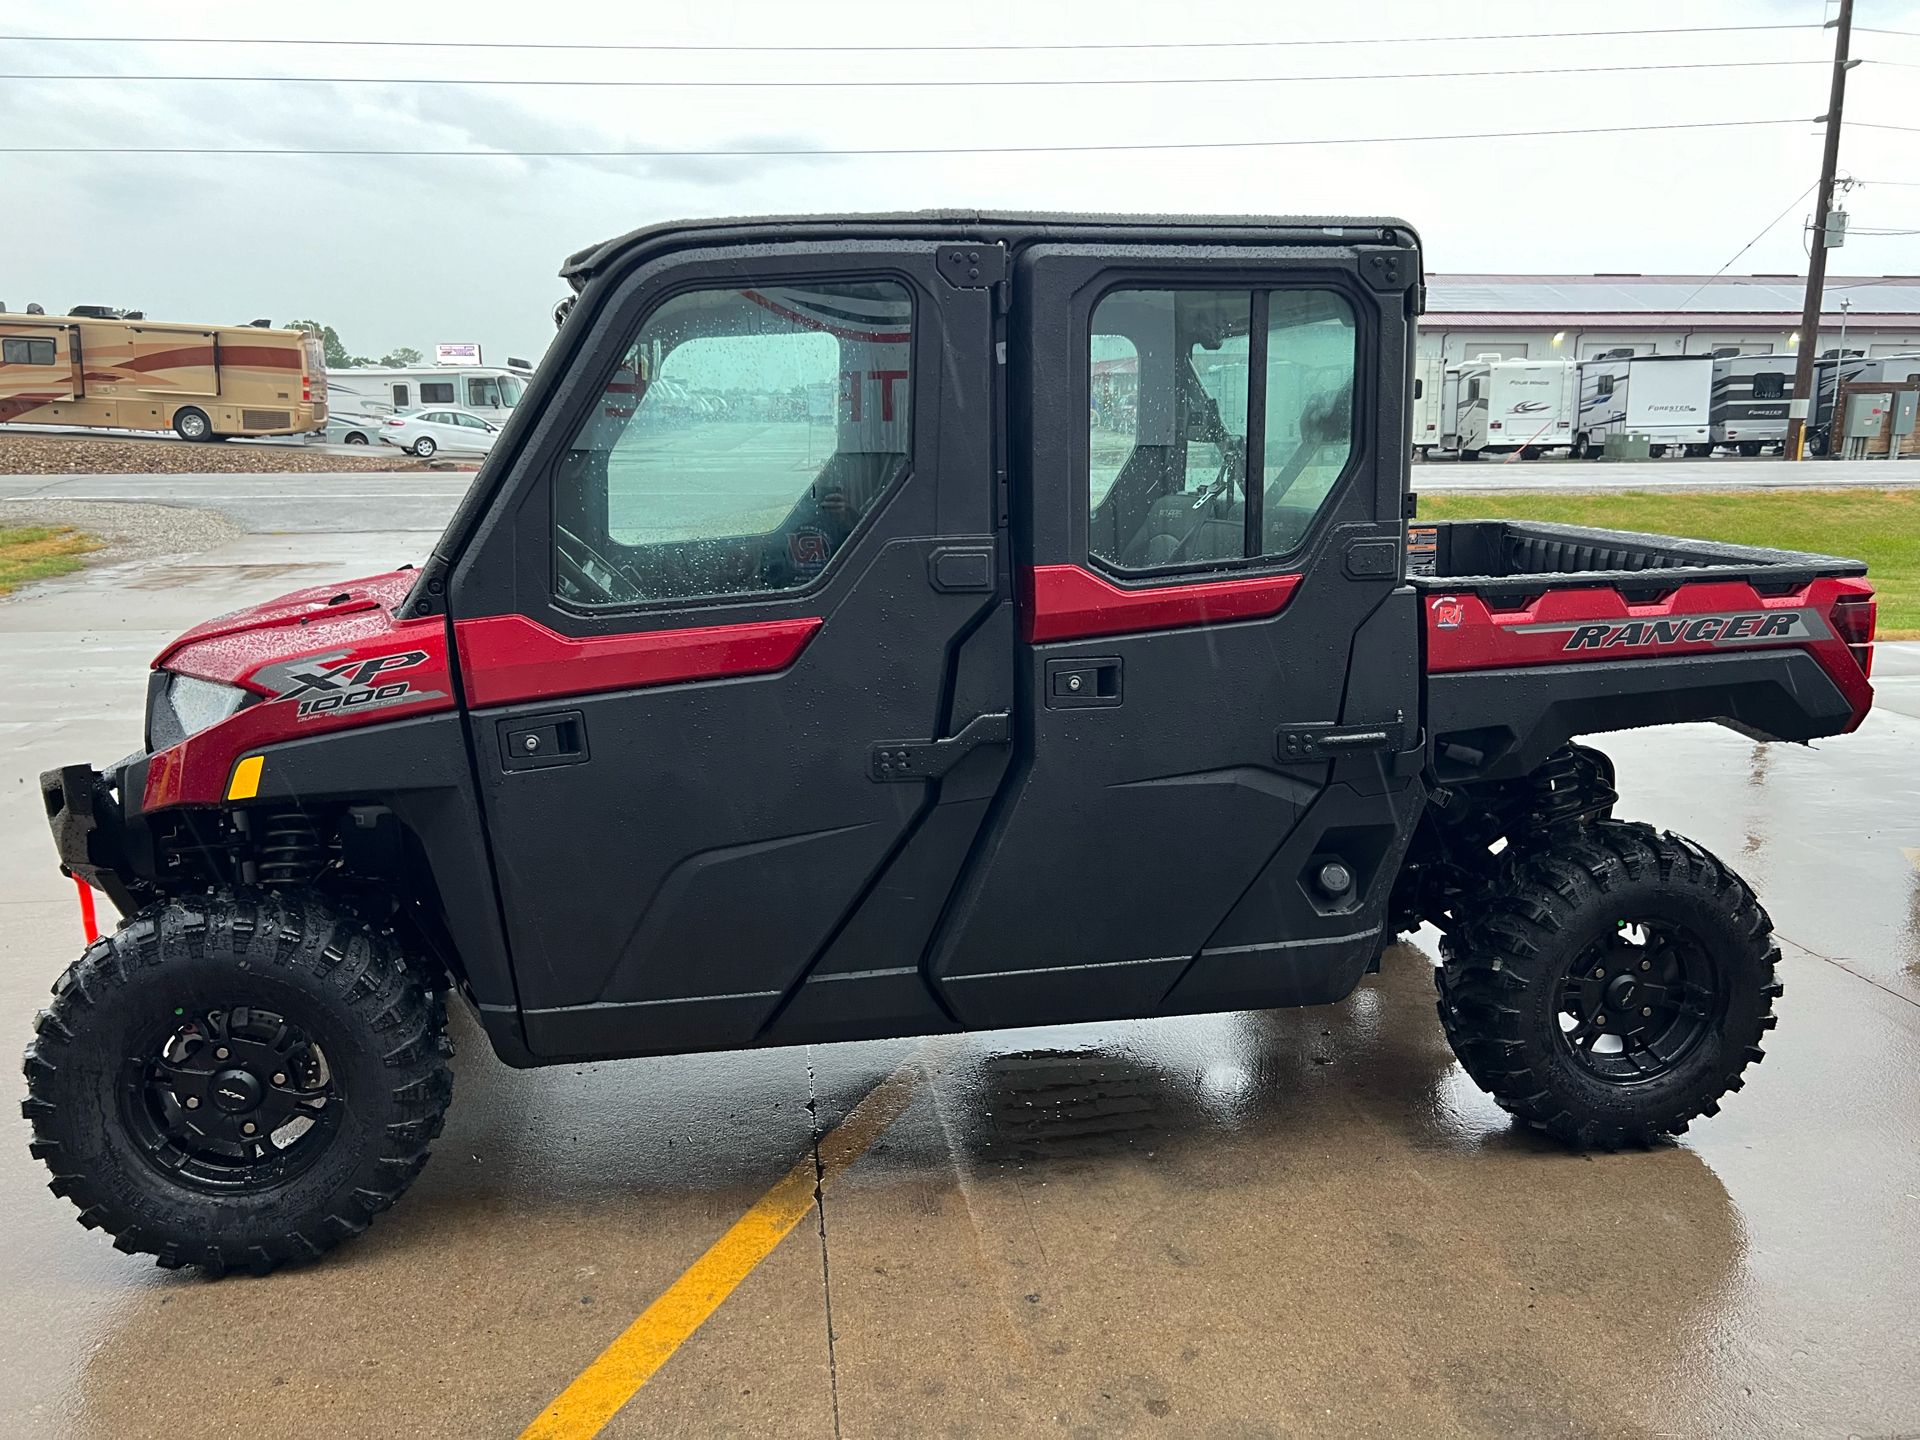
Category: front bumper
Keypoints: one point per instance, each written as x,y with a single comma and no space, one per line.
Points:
90,830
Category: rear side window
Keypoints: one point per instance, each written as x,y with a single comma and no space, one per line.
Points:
740,443
436,392
400,396
26,352
1770,385
1184,385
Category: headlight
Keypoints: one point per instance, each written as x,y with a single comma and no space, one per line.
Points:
179,706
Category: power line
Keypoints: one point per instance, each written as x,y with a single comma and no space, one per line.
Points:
362,43
1880,30
1874,125
626,84
798,152
1749,245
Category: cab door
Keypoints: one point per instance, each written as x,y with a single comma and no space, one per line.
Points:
1218,703
736,645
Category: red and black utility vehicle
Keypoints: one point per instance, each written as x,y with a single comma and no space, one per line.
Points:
892,625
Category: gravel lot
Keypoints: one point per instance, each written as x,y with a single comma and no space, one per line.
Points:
131,532
24,454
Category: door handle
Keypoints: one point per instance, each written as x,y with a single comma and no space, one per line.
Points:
542,742
1089,683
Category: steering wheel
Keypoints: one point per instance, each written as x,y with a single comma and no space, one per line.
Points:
584,568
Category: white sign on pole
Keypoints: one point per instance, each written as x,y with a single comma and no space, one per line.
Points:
456,352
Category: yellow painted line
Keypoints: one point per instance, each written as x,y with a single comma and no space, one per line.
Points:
246,778
598,1392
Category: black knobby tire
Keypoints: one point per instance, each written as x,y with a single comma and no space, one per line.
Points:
333,980
1508,976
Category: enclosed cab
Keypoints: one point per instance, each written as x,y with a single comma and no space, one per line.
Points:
893,625
201,382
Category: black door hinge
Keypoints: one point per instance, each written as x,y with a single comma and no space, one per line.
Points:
930,759
972,267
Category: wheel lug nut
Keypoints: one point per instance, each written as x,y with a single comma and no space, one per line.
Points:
1646,964
1600,973
1646,1009
221,1053
249,1128
193,1102
279,1079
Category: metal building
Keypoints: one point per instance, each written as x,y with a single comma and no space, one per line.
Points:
1577,317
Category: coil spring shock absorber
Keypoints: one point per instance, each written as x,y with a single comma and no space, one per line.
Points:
1573,784
290,849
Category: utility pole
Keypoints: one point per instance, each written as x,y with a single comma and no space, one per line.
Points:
1800,409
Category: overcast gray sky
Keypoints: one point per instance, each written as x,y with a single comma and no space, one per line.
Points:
410,251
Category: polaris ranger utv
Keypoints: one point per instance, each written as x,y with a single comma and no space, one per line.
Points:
882,626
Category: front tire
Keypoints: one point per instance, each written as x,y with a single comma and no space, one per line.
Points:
192,424
1612,986
237,1082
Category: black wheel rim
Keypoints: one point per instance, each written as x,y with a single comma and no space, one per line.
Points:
234,1099
1639,1001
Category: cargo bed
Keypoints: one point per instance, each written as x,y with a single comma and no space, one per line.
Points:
1505,560
1536,633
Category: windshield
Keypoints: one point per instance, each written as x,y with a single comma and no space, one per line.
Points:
494,392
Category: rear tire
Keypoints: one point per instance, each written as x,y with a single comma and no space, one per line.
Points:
165,1037
1749,448
1657,452
356,438
192,424
424,447
1622,918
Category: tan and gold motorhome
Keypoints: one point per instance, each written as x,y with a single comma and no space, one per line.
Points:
203,382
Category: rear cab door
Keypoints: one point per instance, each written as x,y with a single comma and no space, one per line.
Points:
1218,671
735,640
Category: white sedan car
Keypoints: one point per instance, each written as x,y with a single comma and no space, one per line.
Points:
428,432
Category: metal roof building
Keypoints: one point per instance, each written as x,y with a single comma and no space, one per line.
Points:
1577,316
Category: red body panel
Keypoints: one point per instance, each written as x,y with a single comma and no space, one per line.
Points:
1066,602
195,772
1463,633
230,647
509,658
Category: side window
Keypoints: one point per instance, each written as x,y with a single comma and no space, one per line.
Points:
400,397
1173,390
1603,384
26,352
1419,390
436,392
739,444
483,392
1770,385
1312,357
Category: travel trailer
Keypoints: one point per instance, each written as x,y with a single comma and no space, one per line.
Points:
1434,380
1515,405
124,372
1751,394
1665,397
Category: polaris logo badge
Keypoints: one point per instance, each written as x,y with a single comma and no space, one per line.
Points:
1740,627
325,684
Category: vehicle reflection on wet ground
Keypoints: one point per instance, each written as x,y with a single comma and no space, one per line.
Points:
1291,1222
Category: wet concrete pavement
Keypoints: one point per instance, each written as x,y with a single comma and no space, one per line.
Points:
1302,1222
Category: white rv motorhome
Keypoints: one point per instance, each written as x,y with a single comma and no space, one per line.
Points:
1667,398
1509,405
490,391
